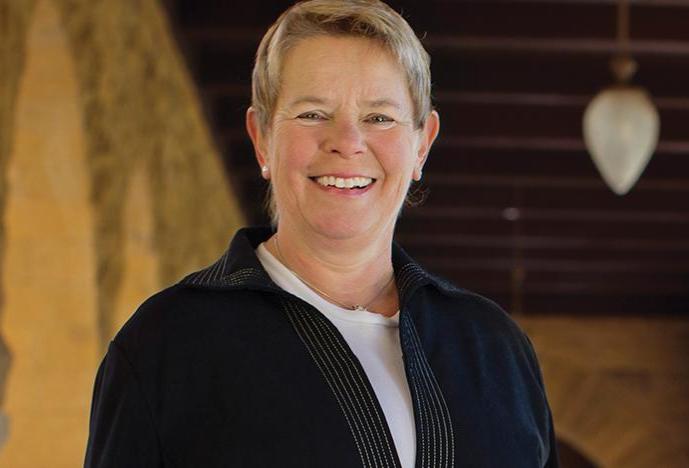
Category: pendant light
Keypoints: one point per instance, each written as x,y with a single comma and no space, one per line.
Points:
621,125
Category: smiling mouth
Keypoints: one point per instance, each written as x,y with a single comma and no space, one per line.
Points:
344,182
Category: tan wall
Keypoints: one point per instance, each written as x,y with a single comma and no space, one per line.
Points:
48,271
110,188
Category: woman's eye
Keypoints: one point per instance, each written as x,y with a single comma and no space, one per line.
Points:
310,116
379,119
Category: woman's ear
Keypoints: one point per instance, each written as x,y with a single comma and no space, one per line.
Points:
253,128
428,134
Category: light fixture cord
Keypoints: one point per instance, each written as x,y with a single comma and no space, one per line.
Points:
623,65
623,27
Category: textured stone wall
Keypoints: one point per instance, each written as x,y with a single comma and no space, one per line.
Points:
152,205
48,274
14,19
140,108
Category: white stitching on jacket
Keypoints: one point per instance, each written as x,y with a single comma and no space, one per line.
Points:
446,438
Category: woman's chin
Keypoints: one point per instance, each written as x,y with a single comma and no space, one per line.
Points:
342,227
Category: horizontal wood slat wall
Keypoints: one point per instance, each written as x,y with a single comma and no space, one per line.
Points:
510,169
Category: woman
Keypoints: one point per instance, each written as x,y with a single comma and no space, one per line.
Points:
323,344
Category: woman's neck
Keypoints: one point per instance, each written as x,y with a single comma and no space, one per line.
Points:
349,271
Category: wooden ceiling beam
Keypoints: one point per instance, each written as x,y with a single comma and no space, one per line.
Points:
651,3
542,214
560,182
237,37
500,226
496,142
539,99
647,268
552,45
578,303
412,240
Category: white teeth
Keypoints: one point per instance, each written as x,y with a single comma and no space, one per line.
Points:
339,182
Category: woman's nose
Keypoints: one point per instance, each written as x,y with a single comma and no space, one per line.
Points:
346,139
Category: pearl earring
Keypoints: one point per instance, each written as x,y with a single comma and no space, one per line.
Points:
264,169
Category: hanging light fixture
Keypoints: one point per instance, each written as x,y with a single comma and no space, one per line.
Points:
621,124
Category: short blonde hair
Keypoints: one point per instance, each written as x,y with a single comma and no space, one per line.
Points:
370,19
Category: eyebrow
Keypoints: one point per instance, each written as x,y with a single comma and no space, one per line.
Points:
307,100
383,103
317,100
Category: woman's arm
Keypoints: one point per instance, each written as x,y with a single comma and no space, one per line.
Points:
121,431
552,460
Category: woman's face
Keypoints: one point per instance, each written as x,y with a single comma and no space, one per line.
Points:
342,147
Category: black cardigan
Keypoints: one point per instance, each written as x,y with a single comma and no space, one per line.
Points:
225,369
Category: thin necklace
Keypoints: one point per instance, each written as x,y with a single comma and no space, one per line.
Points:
325,295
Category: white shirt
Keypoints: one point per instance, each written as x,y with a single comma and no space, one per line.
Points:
375,341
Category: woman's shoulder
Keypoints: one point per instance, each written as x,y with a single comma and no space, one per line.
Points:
475,320
155,318
179,315
470,302
154,310
472,310
447,302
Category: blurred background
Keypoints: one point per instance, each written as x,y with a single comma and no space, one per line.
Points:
124,165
